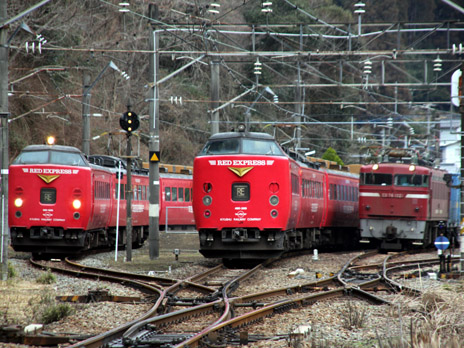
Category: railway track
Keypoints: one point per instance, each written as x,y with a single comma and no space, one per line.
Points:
213,307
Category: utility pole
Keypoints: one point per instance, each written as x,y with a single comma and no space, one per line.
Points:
461,111
154,142
298,109
4,124
214,95
86,114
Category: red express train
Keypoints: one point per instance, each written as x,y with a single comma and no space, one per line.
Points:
402,206
61,203
254,201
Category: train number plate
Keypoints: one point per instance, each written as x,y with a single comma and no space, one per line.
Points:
48,196
240,192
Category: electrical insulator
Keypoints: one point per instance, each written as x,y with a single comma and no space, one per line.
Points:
437,64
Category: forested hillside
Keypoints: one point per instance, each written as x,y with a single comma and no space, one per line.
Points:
83,37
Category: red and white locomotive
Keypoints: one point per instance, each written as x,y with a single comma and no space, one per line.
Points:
60,203
402,205
254,201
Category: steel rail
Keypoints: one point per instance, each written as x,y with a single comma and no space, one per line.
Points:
101,339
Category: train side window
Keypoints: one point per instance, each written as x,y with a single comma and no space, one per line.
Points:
167,192
187,195
174,194
181,194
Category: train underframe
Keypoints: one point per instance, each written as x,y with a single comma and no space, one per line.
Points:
46,241
254,244
403,234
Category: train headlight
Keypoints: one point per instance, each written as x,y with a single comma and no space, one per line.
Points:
207,200
375,166
18,202
77,203
412,168
274,200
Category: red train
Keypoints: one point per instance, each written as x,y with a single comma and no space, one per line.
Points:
61,203
254,201
402,206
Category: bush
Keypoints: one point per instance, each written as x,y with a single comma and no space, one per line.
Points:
56,313
11,271
353,316
46,278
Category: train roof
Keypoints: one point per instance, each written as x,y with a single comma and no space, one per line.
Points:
251,135
61,148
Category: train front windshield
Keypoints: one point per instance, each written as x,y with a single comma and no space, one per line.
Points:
50,157
241,146
381,179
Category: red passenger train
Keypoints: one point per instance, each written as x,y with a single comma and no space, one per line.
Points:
402,205
62,203
252,200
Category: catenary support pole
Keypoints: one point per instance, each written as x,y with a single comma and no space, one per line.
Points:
461,110
4,154
86,114
154,142
215,64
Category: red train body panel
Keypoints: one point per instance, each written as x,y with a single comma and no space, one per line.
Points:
176,200
253,201
342,191
402,205
59,203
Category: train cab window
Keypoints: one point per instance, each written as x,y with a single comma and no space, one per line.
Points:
260,147
376,179
248,146
167,194
32,157
174,194
66,158
219,147
181,194
411,180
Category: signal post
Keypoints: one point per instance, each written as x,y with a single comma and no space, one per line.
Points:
129,121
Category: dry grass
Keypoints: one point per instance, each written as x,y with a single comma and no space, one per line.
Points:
15,306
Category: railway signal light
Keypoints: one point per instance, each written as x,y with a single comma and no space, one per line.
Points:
129,121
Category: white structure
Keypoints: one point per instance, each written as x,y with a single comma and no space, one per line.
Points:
450,145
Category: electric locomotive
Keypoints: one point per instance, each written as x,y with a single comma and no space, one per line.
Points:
253,200
403,205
